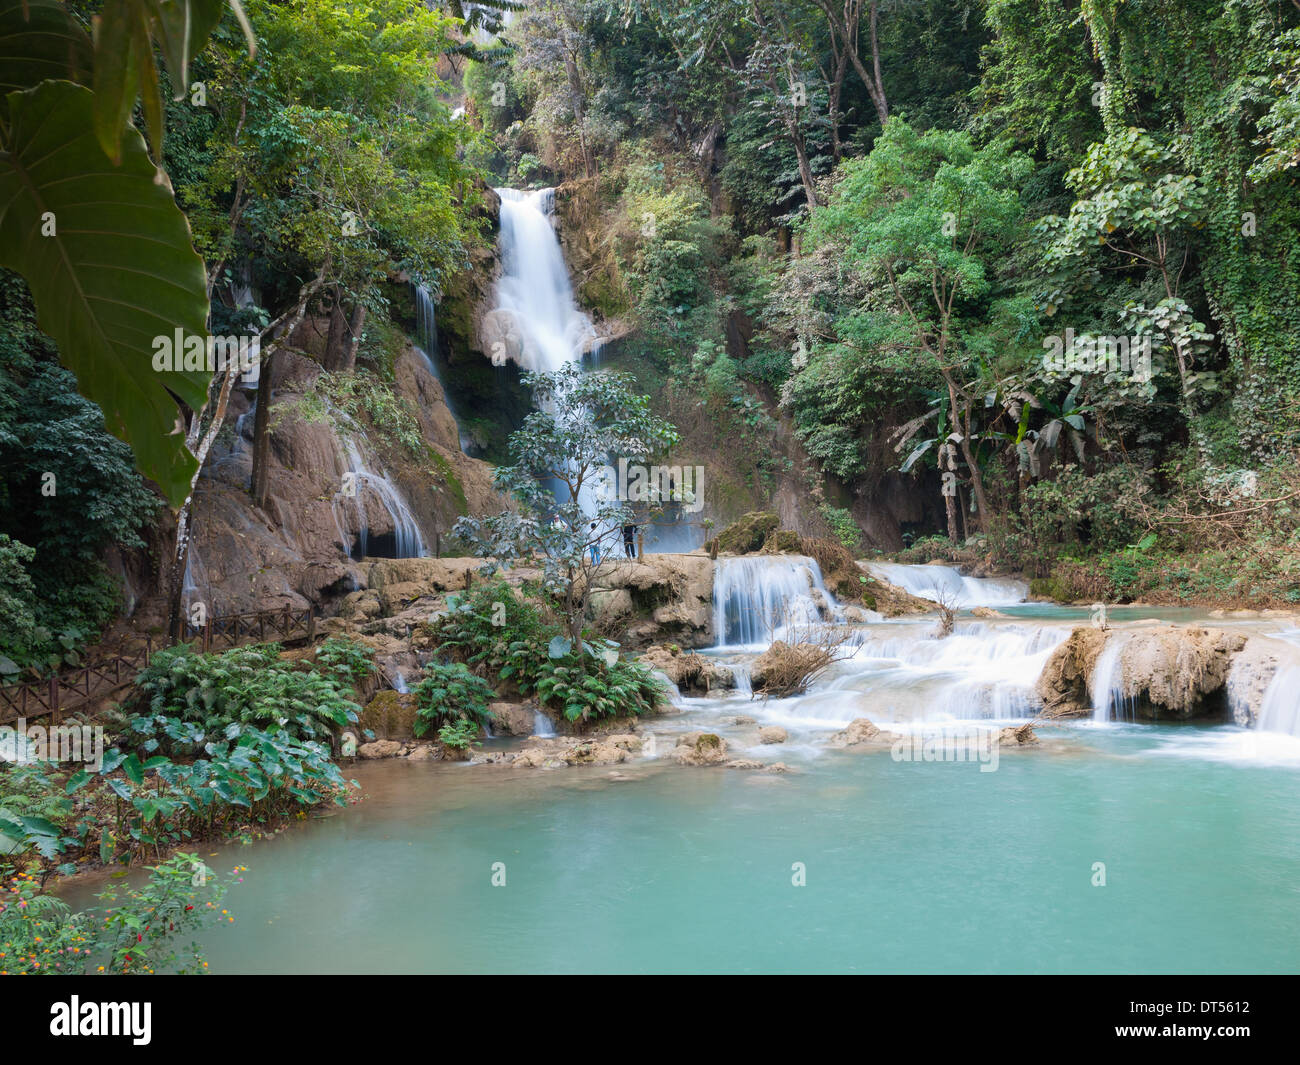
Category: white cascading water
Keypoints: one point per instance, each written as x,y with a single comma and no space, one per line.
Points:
426,346
1106,684
1280,709
934,582
408,541
755,595
534,292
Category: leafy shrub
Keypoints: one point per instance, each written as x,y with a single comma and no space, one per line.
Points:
458,735
449,694
136,933
509,640
842,525
248,775
18,629
35,815
346,659
496,633
247,685
600,690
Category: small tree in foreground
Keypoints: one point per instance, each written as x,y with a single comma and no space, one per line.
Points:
567,519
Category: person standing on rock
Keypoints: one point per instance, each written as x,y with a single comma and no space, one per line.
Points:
595,546
629,540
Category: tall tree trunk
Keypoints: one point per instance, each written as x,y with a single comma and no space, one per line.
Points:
333,357
355,327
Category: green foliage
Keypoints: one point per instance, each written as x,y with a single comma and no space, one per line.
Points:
842,525
67,490
17,617
597,688
193,697
450,693
137,931
458,734
346,659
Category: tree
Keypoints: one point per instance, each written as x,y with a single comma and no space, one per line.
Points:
925,220
565,516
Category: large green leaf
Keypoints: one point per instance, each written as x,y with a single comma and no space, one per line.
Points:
118,271
40,40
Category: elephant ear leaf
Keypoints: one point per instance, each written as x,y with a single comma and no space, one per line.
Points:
107,255
39,41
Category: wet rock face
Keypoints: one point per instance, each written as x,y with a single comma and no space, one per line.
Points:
1063,684
692,673
1167,673
298,550
664,598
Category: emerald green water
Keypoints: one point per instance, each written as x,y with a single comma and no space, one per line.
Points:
910,867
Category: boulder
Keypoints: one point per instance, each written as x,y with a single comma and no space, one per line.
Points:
425,752
512,719
862,732
772,734
595,752
1167,672
689,671
1016,736
699,748
390,715
380,749
1063,684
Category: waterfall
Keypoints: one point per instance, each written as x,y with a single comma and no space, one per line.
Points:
1280,709
1106,685
542,726
408,541
754,596
426,346
534,294
933,582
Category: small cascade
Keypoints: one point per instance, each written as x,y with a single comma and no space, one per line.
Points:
534,294
1106,685
946,582
408,542
194,572
426,346
1280,709
542,725
399,682
756,595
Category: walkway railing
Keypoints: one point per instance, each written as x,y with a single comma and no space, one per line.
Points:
62,692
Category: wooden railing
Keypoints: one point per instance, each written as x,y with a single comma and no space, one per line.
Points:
66,691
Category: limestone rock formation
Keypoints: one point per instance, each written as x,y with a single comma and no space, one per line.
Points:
691,672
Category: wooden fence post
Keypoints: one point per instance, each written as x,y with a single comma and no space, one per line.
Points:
54,697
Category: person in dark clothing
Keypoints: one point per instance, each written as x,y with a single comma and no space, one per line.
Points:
629,540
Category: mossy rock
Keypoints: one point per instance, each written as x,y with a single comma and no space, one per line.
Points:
748,533
783,541
390,715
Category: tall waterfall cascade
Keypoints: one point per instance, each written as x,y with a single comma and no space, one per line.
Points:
539,322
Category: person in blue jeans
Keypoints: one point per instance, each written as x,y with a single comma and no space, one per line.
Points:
595,546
